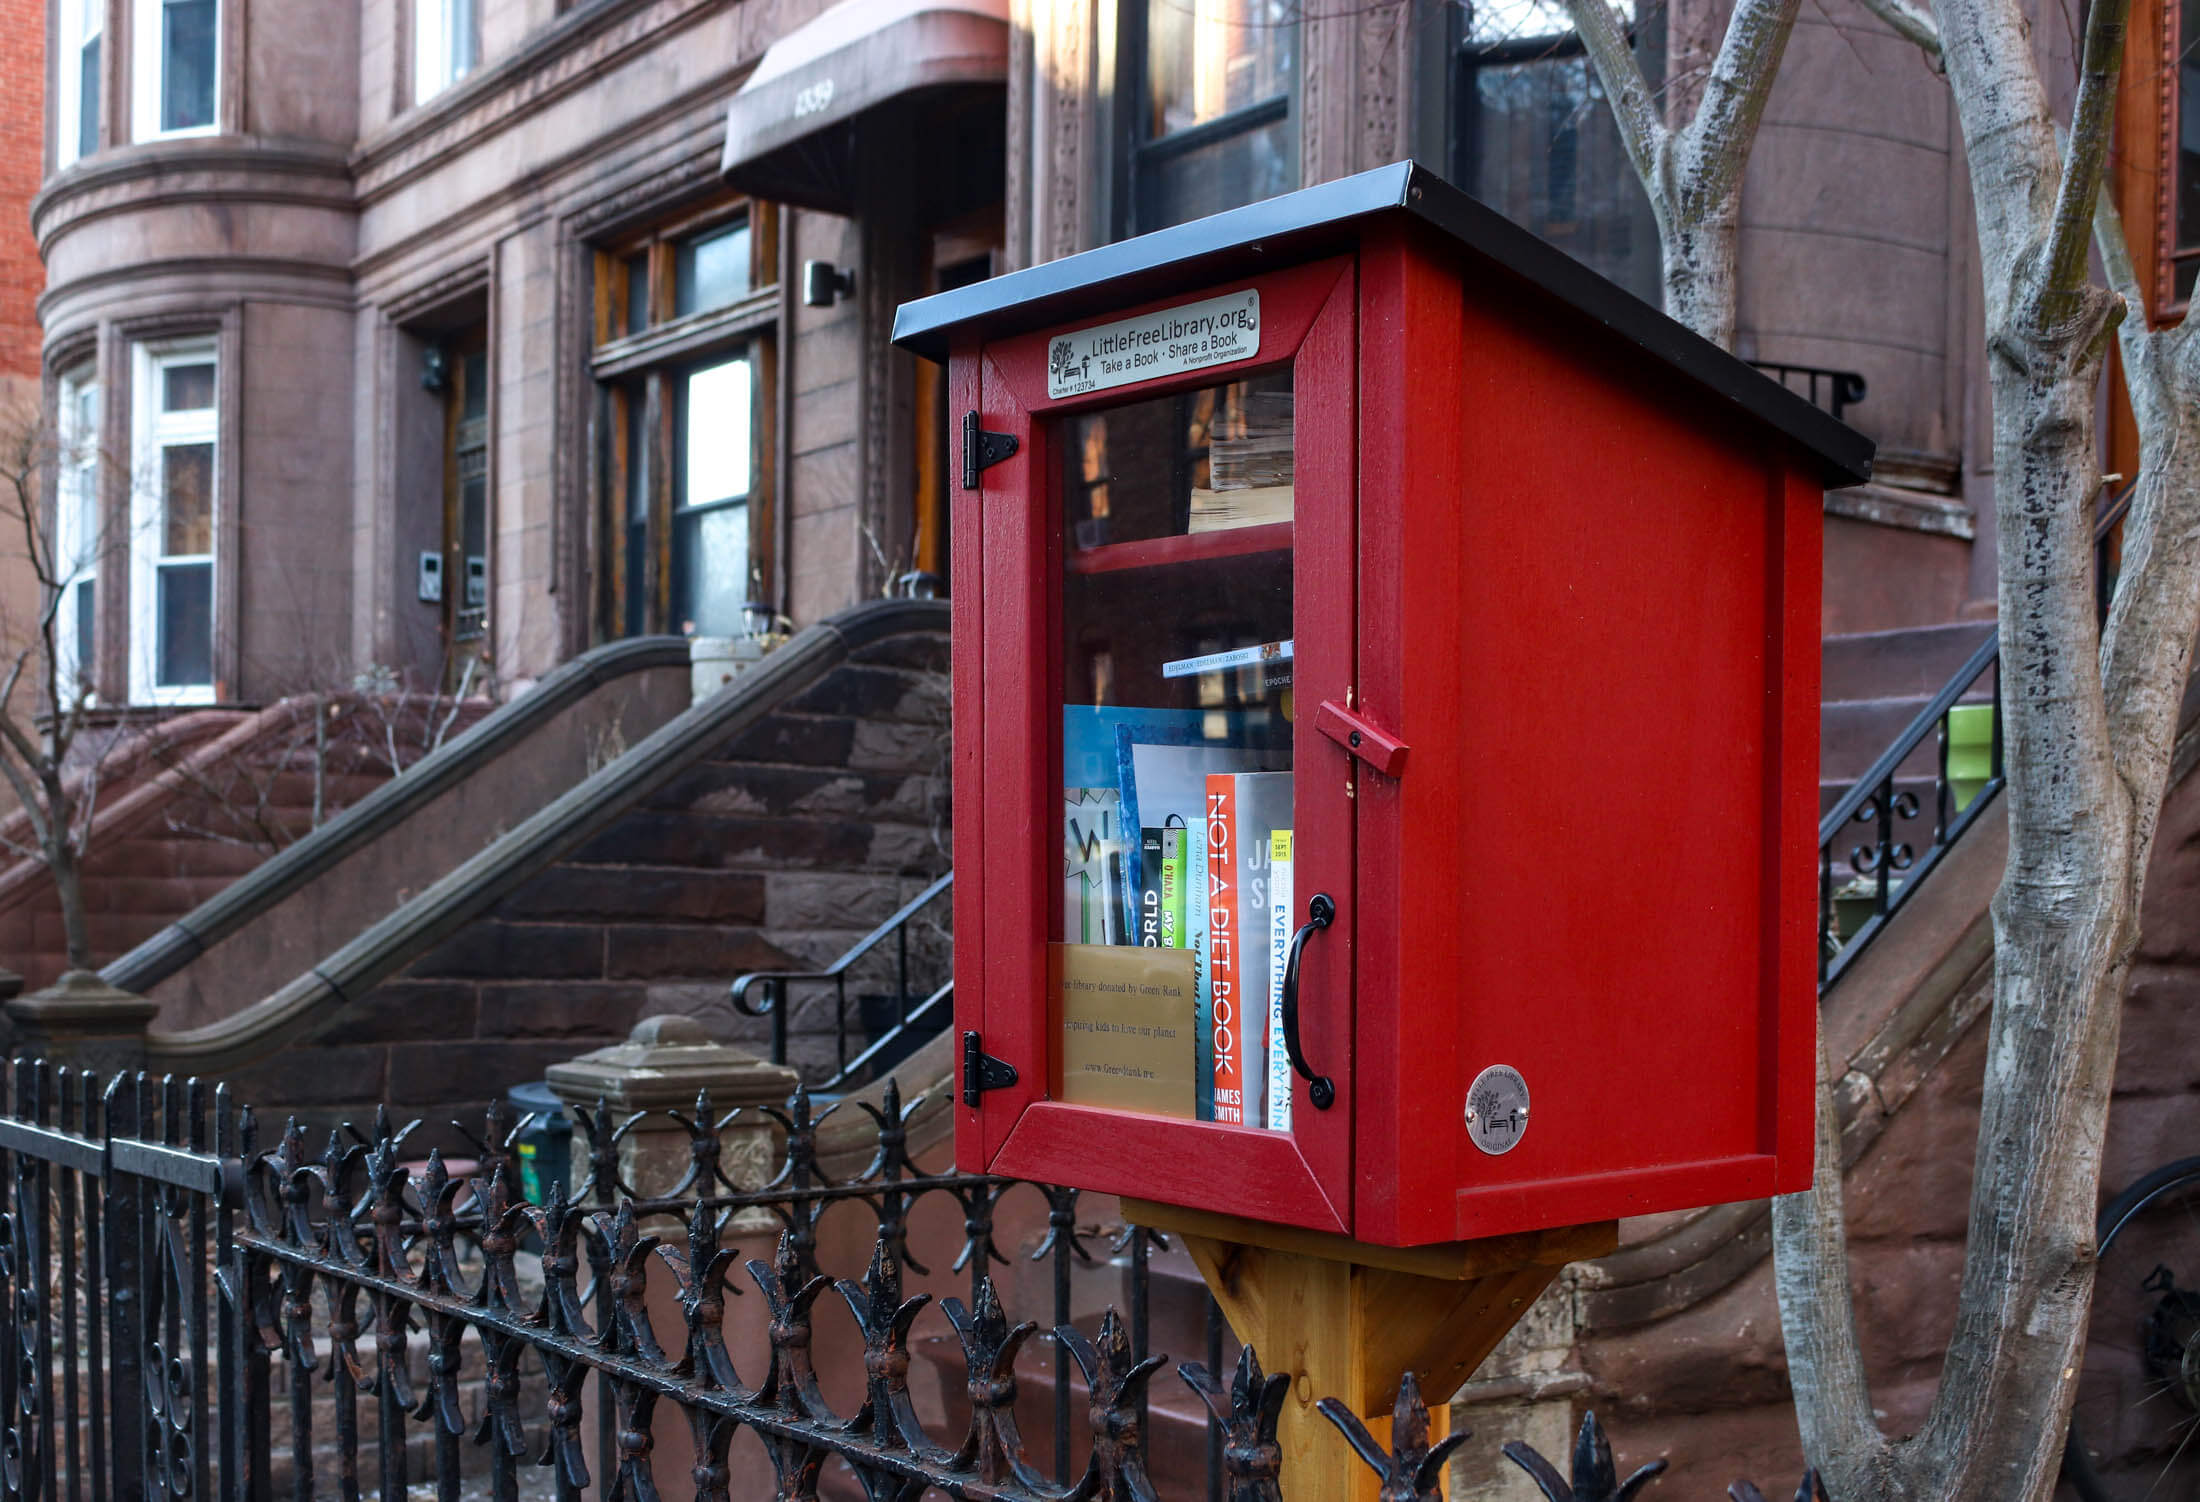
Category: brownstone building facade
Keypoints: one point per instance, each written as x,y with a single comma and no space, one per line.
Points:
395,316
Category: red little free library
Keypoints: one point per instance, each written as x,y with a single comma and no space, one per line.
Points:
1358,607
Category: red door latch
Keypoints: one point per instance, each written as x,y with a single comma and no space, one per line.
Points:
1378,748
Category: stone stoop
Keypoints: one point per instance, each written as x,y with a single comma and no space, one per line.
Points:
181,828
775,849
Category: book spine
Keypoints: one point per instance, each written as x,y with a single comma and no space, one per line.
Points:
1203,992
1149,888
1172,887
1279,947
1223,936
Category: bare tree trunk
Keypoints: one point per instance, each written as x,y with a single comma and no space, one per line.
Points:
1693,173
2088,725
1699,277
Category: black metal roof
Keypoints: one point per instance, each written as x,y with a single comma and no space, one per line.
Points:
1330,216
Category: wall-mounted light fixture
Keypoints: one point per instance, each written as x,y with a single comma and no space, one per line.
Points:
823,283
435,370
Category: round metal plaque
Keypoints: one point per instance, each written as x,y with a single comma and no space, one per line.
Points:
1497,1109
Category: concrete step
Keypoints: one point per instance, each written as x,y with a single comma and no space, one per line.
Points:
1884,664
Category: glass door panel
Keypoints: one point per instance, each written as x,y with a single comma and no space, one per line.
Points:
1177,713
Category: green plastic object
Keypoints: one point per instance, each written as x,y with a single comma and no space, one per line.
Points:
1970,751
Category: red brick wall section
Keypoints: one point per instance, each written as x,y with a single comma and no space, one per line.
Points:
22,158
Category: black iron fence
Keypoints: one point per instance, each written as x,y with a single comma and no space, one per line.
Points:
189,1311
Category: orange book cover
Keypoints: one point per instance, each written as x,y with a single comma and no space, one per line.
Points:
1223,959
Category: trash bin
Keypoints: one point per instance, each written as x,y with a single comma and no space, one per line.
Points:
545,1149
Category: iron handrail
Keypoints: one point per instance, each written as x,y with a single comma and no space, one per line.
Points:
776,982
1843,388
1874,797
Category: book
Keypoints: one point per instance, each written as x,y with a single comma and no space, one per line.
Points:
1226,1031
1203,980
1280,899
1253,506
1148,916
1262,806
1172,887
1161,775
1091,863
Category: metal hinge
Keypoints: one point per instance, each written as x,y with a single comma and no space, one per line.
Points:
982,450
983,1072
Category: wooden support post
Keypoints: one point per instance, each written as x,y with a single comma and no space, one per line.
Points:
1345,1319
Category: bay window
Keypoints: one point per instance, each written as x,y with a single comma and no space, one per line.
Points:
175,60
76,535
172,525
76,79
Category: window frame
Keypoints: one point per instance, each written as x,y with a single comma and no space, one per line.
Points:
640,376
1462,147
77,526
78,24
1135,150
147,83
154,430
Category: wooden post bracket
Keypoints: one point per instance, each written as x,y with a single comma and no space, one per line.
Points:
1344,1319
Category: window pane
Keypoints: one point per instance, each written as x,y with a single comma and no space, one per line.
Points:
1225,174
710,568
87,99
1547,157
711,270
637,293
465,38
1176,705
187,388
86,614
184,646
428,74
475,372
187,55
187,490
715,442
1206,58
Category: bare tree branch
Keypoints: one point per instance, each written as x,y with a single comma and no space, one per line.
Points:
1715,146
2092,114
2123,276
1911,23
1817,1312
1634,107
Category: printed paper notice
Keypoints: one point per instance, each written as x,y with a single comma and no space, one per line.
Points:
1126,1014
1219,331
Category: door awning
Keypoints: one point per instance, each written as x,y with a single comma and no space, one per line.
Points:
790,130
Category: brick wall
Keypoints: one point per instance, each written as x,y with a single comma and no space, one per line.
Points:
22,159
778,850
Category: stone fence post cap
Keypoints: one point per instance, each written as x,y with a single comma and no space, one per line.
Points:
663,1063
82,1002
